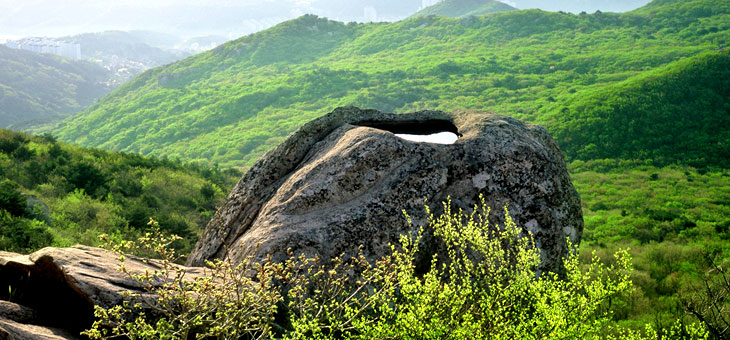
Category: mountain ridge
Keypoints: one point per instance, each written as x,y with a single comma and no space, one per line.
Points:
231,104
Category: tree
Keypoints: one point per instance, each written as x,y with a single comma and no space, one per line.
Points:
709,301
12,200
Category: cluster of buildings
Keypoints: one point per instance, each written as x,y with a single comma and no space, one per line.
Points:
46,45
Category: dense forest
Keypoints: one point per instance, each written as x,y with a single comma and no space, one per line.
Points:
674,220
56,194
36,88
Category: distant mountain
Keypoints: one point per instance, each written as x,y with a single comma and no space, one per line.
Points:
183,18
201,44
231,104
463,8
38,88
127,54
577,6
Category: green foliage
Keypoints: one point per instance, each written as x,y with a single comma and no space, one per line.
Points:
223,303
709,300
674,113
22,235
12,200
232,104
488,288
62,195
483,286
673,219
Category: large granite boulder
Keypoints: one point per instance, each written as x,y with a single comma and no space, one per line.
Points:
344,179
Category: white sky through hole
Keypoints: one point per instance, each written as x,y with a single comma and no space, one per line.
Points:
438,138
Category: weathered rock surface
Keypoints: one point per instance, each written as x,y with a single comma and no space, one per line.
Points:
14,330
343,180
54,290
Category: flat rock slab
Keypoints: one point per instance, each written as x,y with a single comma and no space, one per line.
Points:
344,179
54,290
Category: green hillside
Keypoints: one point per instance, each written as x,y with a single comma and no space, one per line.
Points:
233,103
679,112
36,88
52,193
464,8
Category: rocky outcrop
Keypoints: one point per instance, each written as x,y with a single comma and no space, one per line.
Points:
344,179
51,293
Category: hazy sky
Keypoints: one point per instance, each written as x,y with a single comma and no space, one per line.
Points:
180,17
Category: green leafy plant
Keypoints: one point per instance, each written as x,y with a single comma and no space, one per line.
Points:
226,301
483,285
709,300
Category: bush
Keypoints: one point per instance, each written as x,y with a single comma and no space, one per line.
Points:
709,300
12,200
86,176
224,304
485,285
22,235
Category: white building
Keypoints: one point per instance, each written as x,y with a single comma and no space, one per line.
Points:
45,45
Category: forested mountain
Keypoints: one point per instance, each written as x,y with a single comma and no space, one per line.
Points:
36,88
680,112
463,8
251,92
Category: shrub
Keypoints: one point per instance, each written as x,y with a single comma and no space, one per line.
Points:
709,301
86,176
224,304
22,235
484,285
12,200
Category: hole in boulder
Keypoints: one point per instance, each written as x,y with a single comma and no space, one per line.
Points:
438,138
429,131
